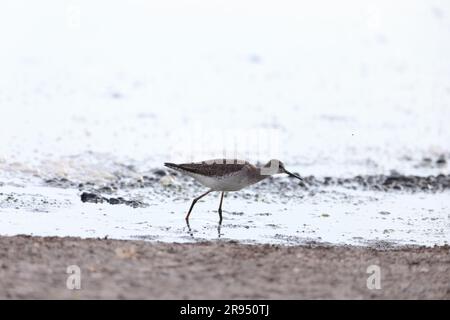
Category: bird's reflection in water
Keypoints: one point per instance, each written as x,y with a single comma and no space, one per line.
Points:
191,233
219,225
189,229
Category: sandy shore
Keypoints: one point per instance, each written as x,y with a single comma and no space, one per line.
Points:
35,267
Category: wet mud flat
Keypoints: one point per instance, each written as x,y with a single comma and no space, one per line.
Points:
35,267
150,205
280,239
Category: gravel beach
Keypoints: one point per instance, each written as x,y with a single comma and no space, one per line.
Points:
35,267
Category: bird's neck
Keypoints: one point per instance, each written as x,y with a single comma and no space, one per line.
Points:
260,174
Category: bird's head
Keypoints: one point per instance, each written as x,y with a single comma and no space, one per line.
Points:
275,166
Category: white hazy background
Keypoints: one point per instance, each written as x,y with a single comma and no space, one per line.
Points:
330,87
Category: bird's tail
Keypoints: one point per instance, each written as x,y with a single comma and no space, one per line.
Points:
172,166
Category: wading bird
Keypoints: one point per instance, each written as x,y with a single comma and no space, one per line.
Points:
227,175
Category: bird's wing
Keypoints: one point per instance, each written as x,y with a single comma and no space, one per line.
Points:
209,168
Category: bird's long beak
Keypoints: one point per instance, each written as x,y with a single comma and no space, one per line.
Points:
293,175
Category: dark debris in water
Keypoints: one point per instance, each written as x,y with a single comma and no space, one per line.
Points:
96,198
32,202
385,182
151,179
433,162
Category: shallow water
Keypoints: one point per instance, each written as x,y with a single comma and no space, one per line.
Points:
356,89
334,215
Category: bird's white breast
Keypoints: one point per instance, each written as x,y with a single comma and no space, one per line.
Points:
232,182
